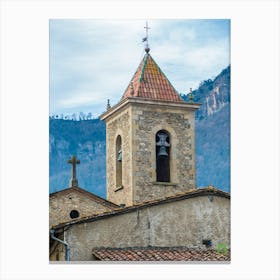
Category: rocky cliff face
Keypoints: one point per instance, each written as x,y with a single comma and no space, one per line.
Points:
213,131
213,150
87,140
213,94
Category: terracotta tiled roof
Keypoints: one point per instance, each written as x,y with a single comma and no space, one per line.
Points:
149,82
90,195
185,195
159,254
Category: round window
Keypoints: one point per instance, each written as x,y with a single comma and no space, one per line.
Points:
74,214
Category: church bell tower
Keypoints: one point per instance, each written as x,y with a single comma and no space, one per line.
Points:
150,139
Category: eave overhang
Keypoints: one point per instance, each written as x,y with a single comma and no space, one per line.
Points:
149,102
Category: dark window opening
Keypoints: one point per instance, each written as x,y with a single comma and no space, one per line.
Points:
207,242
74,214
119,159
163,156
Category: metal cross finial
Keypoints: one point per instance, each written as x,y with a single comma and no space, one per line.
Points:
147,49
73,181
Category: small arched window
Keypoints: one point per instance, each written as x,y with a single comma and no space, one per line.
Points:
119,161
163,156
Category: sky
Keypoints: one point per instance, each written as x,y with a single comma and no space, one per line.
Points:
94,60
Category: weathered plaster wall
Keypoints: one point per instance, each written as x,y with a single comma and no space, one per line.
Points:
61,205
57,250
181,223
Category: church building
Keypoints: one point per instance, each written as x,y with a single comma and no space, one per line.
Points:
153,210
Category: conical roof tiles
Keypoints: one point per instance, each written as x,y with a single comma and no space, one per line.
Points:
149,82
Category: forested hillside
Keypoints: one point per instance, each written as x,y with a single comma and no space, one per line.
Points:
87,140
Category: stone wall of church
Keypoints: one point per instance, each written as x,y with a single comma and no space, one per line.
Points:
179,223
179,123
137,125
119,125
61,205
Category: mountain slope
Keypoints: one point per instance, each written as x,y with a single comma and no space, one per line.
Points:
213,150
213,131
87,140
213,94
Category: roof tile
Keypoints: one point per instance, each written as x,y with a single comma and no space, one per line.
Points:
90,195
151,83
116,211
159,254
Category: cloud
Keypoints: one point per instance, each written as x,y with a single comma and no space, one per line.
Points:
93,60
81,99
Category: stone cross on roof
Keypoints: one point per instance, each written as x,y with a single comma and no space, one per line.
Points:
73,181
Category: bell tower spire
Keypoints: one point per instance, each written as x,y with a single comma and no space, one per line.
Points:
150,144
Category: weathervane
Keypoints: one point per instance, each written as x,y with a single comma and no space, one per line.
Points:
145,39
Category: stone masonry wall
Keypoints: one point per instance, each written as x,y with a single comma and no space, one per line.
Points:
119,125
146,122
179,223
61,205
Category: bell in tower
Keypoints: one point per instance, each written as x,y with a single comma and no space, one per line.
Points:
162,152
162,156
162,144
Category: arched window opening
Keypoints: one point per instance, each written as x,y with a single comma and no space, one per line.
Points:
163,156
119,161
